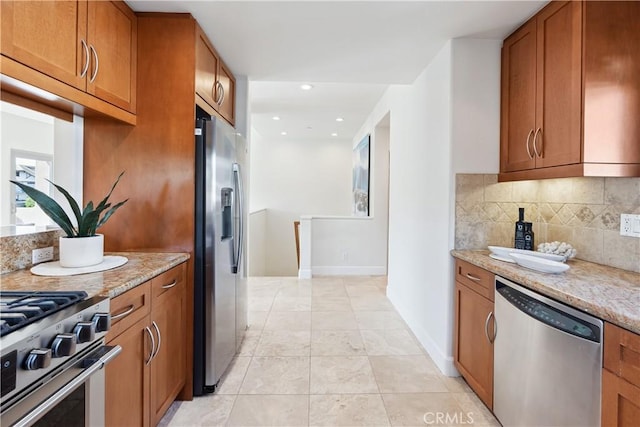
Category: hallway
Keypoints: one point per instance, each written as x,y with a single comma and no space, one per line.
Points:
330,352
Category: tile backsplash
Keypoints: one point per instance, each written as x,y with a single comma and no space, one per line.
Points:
582,211
15,251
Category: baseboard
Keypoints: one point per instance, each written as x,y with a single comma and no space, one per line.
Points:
304,273
442,361
339,270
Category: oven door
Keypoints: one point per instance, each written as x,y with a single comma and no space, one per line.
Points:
74,397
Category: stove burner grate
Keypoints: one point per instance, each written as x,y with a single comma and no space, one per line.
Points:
18,309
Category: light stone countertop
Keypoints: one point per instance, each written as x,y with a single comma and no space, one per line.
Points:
141,267
609,293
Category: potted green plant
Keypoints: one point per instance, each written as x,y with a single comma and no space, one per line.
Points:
81,247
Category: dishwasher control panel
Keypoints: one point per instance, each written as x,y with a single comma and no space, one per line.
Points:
549,315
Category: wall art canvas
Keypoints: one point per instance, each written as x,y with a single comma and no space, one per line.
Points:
361,156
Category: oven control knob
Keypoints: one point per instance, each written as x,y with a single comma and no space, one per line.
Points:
101,322
38,358
63,345
84,332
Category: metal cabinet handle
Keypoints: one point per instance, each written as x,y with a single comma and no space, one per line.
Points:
216,92
153,346
474,278
535,143
95,70
85,67
527,144
170,285
486,328
155,325
222,95
125,313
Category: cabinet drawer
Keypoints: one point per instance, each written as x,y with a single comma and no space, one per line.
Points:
128,308
622,353
168,280
478,279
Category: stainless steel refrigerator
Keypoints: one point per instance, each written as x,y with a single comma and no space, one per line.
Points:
220,303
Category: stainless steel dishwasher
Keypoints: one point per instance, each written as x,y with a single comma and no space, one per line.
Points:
547,361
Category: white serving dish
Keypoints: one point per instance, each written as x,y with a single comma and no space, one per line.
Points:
500,258
539,264
505,252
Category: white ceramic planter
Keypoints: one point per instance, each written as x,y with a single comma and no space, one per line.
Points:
81,251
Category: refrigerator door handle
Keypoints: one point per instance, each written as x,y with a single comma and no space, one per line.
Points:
240,200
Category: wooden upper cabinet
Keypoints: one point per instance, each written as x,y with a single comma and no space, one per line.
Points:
612,82
46,35
215,83
206,69
90,46
227,100
558,81
582,60
112,38
518,100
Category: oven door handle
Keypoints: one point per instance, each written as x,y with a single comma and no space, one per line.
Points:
45,406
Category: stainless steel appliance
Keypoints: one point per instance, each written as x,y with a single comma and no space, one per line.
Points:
219,289
53,358
547,361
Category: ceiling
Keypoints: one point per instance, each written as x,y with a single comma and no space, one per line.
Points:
350,51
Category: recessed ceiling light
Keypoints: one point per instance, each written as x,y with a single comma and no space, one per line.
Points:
306,86
334,134
283,133
276,118
339,119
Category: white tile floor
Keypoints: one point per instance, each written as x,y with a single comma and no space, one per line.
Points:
330,352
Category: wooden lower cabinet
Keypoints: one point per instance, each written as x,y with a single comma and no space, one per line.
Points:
620,401
168,368
127,379
620,378
147,376
473,351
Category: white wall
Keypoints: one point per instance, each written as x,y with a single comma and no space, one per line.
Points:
443,123
258,243
293,178
357,245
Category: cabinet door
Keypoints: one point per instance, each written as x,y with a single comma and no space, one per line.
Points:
620,401
518,100
206,71
127,379
112,37
46,36
472,349
559,84
168,368
227,100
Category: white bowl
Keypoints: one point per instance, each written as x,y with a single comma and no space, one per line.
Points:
505,252
539,264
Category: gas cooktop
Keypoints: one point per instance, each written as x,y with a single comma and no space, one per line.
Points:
19,309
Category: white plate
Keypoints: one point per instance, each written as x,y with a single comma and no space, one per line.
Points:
504,253
501,258
539,264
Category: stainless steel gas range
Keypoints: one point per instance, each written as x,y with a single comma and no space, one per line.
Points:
53,355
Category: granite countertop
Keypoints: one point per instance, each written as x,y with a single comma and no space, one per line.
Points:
141,267
609,293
